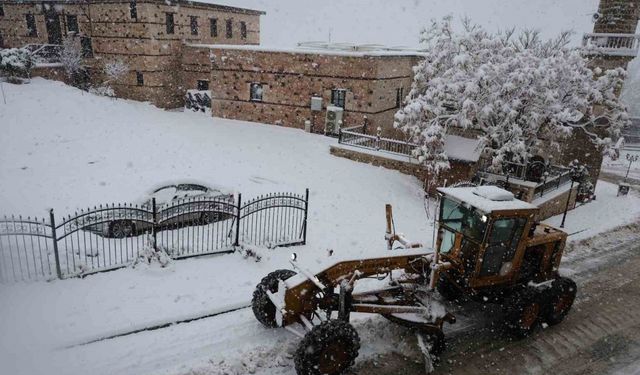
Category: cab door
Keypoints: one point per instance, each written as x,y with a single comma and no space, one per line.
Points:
498,257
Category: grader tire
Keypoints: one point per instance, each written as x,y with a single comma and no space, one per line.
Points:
330,348
262,307
524,309
447,290
559,300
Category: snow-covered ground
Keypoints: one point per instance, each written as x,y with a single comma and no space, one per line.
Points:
620,166
67,149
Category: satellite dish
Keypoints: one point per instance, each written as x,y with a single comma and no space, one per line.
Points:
596,17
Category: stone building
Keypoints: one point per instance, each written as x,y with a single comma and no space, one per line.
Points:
276,86
147,35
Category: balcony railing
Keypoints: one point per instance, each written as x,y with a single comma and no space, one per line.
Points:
612,44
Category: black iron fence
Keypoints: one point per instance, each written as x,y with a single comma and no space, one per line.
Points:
113,236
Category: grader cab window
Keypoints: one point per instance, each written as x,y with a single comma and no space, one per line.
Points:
503,243
466,220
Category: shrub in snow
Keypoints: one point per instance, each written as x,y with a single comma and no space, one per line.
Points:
113,71
521,92
15,62
71,60
149,255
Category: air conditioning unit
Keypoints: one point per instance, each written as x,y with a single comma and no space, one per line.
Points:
333,121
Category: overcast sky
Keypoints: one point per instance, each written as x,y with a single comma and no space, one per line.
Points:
398,22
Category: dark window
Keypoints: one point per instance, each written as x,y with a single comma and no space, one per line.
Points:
133,10
194,25
87,47
338,97
503,243
399,96
229,29
170,24
203,84
1,41
243,30
214,27
31,25
1,10
139,79
256,92
72,23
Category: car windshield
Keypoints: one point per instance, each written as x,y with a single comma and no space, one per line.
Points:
164,194
192,187
465,220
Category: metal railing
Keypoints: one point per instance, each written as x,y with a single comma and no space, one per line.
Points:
112,236
44,53
612,44
356,136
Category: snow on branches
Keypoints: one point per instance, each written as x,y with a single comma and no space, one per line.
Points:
522,93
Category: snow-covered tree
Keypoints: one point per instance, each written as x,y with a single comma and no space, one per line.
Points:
115,70
522,93
71,56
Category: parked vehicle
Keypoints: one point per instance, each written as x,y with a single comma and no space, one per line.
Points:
176,205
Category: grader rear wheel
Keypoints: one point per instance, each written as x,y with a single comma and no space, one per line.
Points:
262,307
330,348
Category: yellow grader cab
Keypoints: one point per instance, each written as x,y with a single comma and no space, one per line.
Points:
489,249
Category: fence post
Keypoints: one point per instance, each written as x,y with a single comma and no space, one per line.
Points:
54,237
340,136
237,240
155,223
306,212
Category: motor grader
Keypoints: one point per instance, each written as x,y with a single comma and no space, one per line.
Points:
488,249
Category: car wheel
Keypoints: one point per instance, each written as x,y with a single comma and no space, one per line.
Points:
122,228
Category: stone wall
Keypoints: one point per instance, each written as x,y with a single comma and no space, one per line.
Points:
141,42
459,172
291,78
557,204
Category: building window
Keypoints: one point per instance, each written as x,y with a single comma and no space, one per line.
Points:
72,23
203,84
133,10
229,29
86,46
139,79
256,92
214,27
1,10
170,25
1,41
338,97
194,25
31,25
399,97
243,30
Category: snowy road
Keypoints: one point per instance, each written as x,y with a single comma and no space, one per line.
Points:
600,336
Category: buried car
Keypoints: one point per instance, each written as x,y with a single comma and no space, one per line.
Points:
176,205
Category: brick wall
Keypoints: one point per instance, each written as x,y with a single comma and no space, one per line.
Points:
556,205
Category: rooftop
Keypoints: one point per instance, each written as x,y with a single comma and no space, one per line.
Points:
487,198
226,8
323,48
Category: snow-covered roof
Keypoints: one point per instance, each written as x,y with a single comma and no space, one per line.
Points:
487,198
362,51
460,148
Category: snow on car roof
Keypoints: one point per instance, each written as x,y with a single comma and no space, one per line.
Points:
487,198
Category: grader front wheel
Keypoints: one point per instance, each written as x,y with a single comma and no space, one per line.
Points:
263,308
561,297
330,348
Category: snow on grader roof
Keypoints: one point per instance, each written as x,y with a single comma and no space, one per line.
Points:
487,198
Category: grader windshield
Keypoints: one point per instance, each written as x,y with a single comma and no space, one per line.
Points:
458,218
